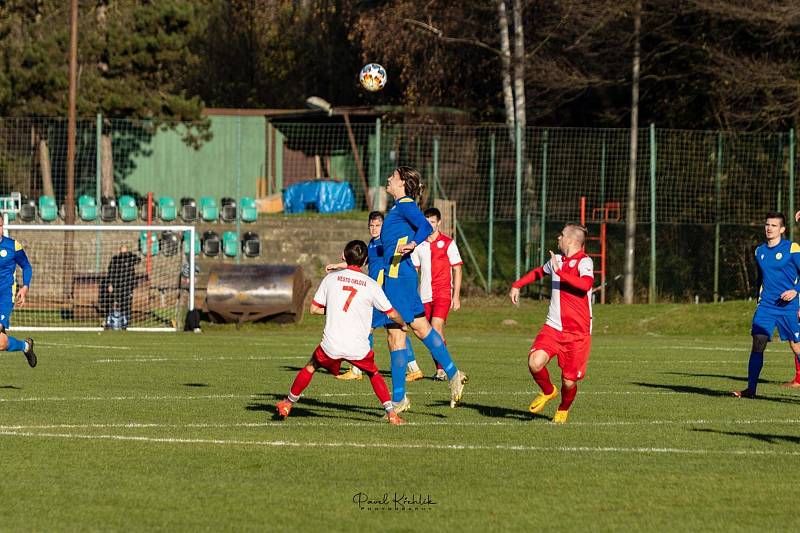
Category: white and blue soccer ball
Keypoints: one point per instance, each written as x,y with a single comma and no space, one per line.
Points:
372,77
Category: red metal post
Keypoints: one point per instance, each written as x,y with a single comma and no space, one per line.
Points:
149,223
603,262
583,211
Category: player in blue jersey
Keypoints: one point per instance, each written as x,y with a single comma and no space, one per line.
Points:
404,227
12,256
375,271
778,262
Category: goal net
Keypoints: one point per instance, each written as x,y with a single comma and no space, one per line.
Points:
95,277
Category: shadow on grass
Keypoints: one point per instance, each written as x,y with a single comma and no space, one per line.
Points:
10,387
494,411
723,376
195,384
702,391
686,389
301,408
762,437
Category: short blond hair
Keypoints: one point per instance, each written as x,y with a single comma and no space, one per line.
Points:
577,231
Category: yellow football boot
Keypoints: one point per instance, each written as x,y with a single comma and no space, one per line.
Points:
347,376
541,400
414,376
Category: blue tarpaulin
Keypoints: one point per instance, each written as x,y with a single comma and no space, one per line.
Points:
324,196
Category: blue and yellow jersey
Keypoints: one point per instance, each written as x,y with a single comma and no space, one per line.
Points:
404,223
778,271
11,256
375,260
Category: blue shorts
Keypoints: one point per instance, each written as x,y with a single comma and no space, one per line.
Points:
6,309
378,318
403,295
766,320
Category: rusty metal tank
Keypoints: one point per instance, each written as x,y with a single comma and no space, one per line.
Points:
243,293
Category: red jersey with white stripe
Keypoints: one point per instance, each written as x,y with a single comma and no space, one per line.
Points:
348,297
570,304
435,260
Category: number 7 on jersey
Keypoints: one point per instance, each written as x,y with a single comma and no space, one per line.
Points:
353,291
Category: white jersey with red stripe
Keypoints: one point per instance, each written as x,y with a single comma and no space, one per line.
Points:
435,260
570,303
348,297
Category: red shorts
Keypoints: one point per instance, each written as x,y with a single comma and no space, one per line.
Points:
332,365
438,308
571,349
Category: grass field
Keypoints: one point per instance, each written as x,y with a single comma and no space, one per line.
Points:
125,431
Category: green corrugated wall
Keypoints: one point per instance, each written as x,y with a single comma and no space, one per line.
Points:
169,167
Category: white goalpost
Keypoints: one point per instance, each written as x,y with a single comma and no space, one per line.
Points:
93,277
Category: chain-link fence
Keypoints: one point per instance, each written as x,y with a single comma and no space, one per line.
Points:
700,193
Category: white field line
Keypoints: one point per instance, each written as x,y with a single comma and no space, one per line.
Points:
122,398
416,446
744,349
154,359
98,346
320,395
300,424
184,359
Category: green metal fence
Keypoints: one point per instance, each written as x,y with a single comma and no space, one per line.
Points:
701,195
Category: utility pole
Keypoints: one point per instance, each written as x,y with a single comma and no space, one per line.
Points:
630,214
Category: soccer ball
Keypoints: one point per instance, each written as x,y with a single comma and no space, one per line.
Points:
372,77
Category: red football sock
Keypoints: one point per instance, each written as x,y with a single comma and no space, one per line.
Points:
567,395
380,388
796,368
542,378
301,381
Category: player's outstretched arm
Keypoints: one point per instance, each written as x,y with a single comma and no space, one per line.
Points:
333,267
21,258
395,317
582,283
534,275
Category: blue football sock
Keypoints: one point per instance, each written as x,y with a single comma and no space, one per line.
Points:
398,358
754,369
15,345
440,353
410,349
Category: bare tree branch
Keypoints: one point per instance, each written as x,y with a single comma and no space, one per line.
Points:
454,40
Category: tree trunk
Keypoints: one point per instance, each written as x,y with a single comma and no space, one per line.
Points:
46,168
107,165
505,47
630,216
519,67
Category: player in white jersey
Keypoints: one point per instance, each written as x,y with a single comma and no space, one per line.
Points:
439,264
346,298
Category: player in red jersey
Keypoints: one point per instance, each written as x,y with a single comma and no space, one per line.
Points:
568,329
346,298
439,264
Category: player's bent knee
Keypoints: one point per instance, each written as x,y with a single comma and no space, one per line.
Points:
760,342
397,339
568,383
537,360
421,327
3,342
